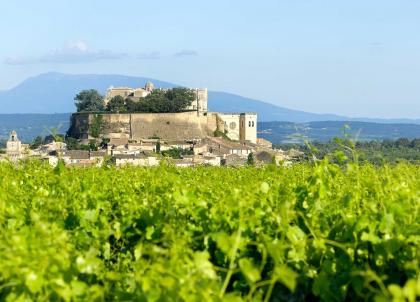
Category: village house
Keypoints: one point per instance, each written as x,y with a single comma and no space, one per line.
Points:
264,143
142,159
206,158
200,148
46,149
81,158
223,147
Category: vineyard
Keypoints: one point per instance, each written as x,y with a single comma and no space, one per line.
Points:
307,232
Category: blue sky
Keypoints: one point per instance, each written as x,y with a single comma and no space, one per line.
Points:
356,58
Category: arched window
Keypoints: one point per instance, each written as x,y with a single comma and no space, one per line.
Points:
249,124
252,123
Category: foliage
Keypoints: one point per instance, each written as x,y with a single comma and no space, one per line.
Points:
96,126
308,232
218,133
89,101
375,152
109,161
165,101
159,101
74,144
93,146
54,138
116,104
250,161
37,142
104,143
177,153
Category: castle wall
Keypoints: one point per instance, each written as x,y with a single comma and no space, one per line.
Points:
170,126
174,126
136,126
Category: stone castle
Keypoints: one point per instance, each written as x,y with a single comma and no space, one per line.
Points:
199,104
194,124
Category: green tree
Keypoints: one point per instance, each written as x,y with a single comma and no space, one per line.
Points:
96,126
251,160
72,143
88,101
131,106
116,104
160,101
92,145
177,153
180,98
38,141
155,102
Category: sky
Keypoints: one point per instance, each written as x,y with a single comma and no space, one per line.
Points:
357,58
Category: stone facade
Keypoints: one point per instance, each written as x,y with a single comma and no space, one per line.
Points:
240,126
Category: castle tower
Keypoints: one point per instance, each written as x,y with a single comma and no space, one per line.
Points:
202,100
14,146
149,87
248,127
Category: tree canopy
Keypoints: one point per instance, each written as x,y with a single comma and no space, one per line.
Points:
159,101
89,101
116,104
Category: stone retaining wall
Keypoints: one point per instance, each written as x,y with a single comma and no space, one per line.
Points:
136,126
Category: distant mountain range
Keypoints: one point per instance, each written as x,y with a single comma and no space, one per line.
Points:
54,93
28,126
287,132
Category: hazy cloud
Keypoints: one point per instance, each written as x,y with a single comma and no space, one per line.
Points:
376,43
154,55
73,52
185,53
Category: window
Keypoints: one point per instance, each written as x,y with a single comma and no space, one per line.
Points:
249,124
252,124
